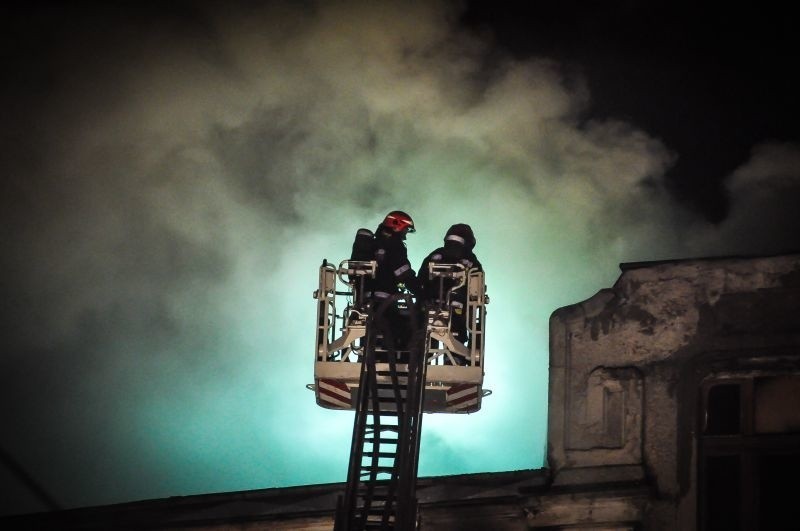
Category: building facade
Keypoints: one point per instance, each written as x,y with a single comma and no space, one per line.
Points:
674,404
685,375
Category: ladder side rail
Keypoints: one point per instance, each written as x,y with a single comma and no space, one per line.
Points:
345,521
409,457
411,434
368,483
399,403
408,507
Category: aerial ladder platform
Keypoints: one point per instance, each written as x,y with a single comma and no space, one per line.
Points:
389,384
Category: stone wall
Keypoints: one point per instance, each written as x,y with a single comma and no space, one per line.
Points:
626,366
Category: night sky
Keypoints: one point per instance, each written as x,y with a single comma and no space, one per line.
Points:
172,177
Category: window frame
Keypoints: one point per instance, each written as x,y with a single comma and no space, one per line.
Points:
747,445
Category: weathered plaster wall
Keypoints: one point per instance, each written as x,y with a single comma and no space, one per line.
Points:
625,366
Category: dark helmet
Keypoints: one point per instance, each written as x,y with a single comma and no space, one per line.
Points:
460,233
398,222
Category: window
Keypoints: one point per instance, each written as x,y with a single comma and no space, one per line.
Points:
723,412
749,449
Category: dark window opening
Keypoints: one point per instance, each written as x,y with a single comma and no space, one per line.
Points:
722,486
778,507
723,411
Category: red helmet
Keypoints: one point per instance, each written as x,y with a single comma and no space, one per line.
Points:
398,221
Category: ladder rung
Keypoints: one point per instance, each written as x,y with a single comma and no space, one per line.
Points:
387,449
376,519
370,437
379,506
378,483
376,499
377,516
381,440
395,429
382,489
381,455
383,497
377,470
364,492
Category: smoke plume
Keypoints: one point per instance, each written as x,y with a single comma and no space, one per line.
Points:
173,182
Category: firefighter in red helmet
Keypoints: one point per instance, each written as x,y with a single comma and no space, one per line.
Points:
394,272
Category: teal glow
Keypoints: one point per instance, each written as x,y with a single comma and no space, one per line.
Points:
184,187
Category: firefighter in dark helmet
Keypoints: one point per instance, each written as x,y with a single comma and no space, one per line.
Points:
459,242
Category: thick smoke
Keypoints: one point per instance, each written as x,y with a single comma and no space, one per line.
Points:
173,187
